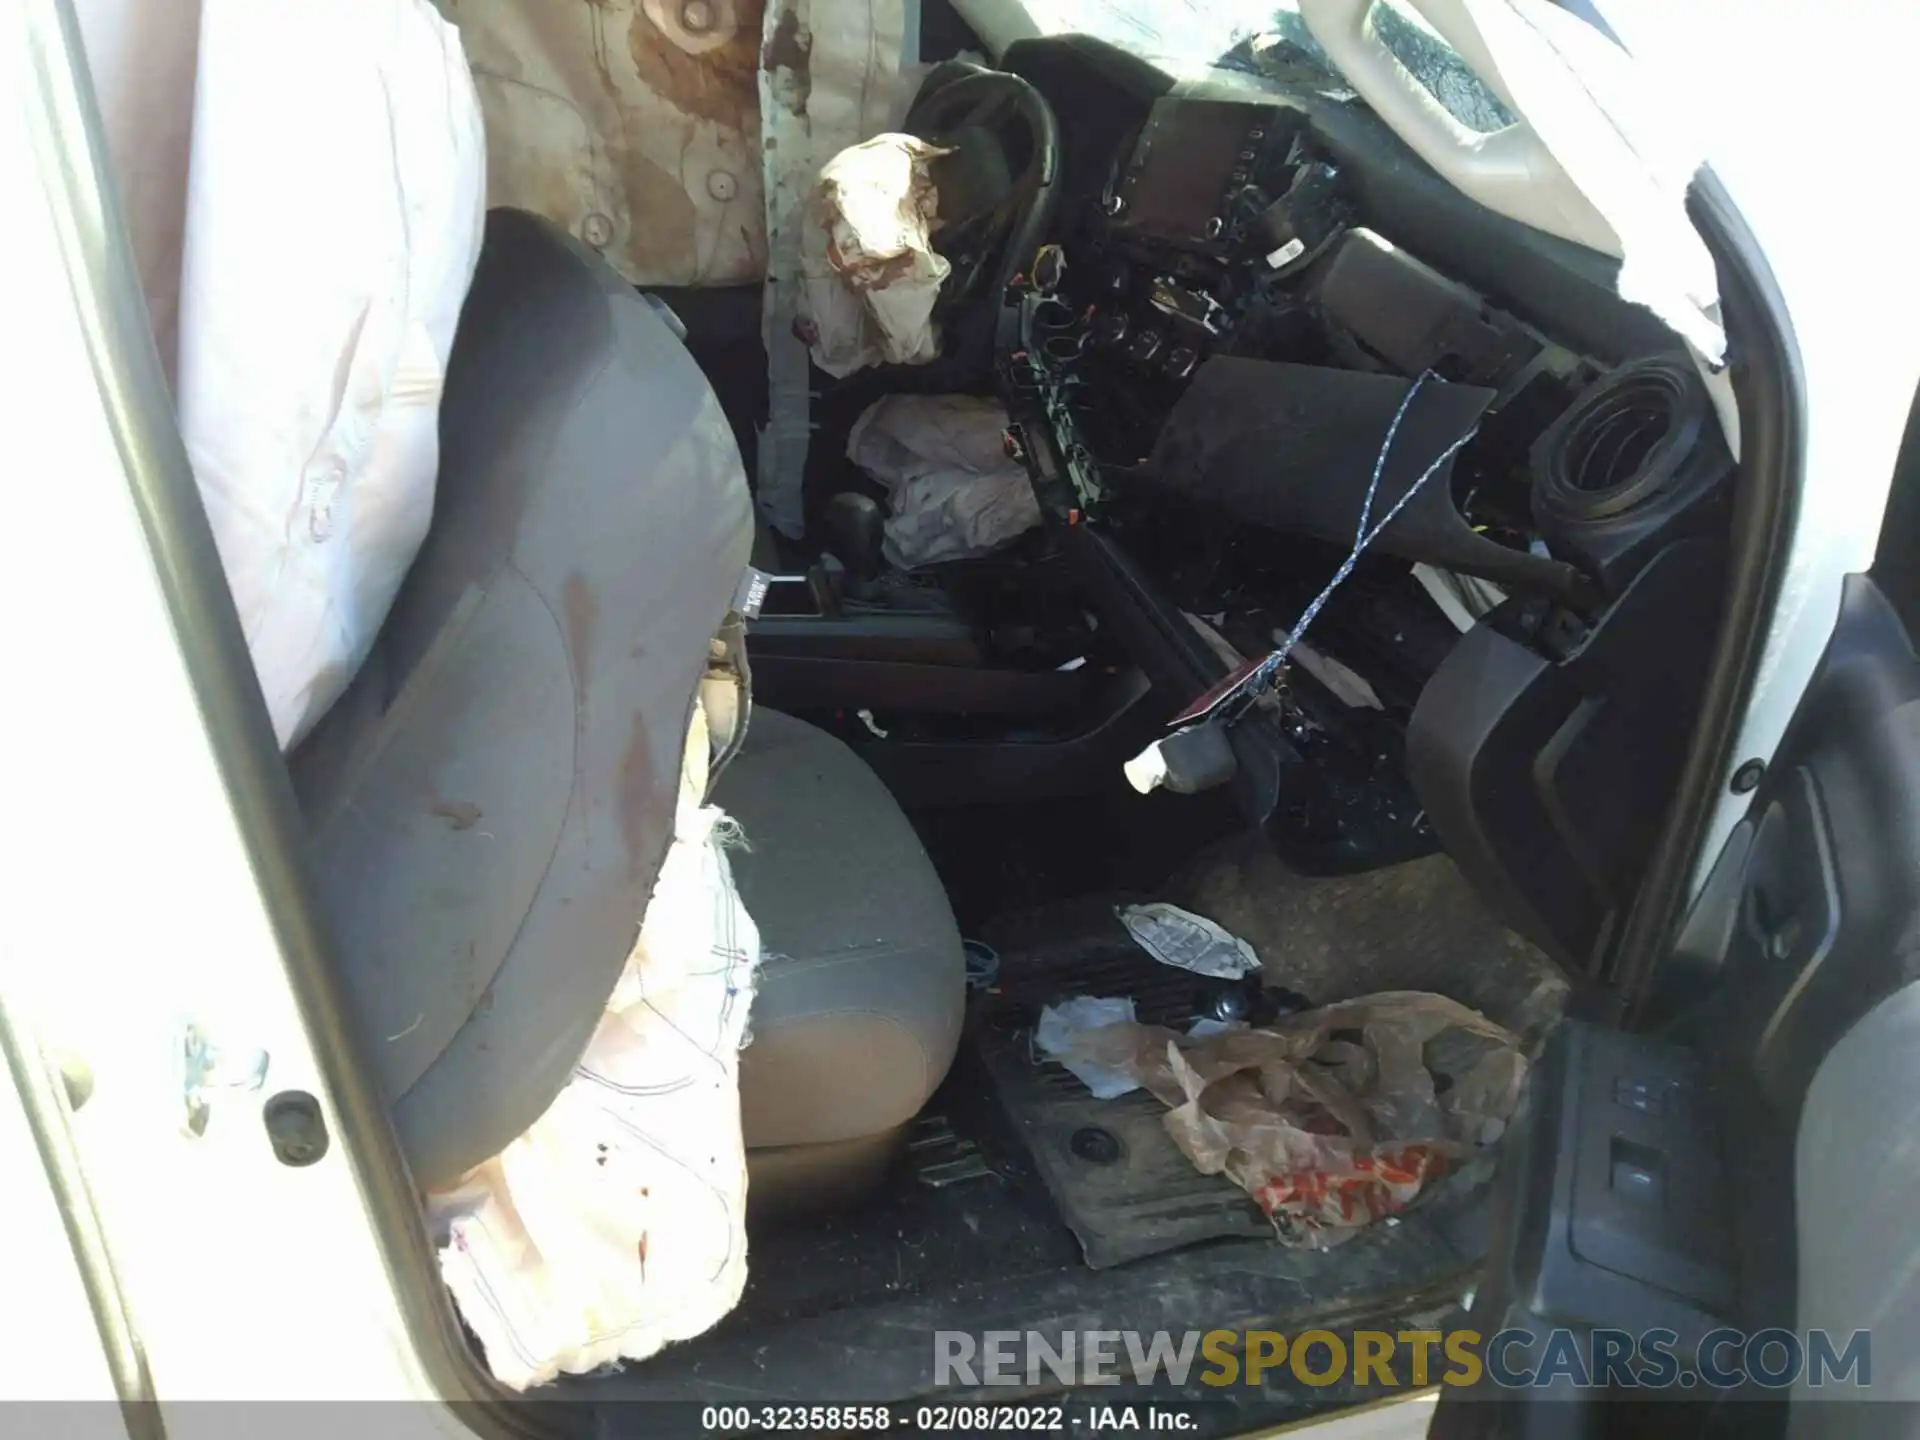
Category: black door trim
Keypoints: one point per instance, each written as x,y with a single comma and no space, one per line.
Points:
1769,384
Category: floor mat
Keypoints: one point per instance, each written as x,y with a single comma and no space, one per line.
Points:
922,1233
1120,1183
1416,926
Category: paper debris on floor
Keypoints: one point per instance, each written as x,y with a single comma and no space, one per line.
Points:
952,491
1212,1025
1188,941
1062,1024
1327,1133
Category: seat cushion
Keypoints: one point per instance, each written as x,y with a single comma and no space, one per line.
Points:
862,982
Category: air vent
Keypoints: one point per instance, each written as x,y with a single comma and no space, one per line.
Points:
1614,450
1614,446
1624,468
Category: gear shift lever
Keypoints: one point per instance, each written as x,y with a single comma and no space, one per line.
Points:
852,529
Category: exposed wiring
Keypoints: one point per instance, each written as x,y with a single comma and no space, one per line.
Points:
1261,677
1052,376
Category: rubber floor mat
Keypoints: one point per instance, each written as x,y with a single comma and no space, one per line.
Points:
1121,1185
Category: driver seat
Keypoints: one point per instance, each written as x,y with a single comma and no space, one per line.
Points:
490,801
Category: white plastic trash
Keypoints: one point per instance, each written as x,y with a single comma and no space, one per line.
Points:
1059,1025
1188,942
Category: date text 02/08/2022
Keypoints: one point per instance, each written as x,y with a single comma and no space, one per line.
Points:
944,1419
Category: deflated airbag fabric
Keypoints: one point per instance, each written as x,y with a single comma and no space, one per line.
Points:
617,1223
332,219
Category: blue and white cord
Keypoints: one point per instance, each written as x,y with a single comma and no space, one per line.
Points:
1261,677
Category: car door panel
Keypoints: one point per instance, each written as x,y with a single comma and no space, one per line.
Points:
1782,1039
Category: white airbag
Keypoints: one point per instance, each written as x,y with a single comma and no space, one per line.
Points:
334,211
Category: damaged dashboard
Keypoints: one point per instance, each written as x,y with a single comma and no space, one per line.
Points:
1227,387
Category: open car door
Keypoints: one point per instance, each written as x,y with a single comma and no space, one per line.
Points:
1738,1158
1709,1195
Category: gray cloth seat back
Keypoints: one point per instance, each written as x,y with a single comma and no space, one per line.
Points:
490,802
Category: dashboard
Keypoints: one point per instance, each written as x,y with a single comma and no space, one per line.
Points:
1224,277
1243,300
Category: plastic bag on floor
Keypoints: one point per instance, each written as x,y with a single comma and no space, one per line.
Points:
871,272
1332,1118
953,492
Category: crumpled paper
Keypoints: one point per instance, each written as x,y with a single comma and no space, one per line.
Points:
1333,1118
1060,1023
1188,941
871,273
952,493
